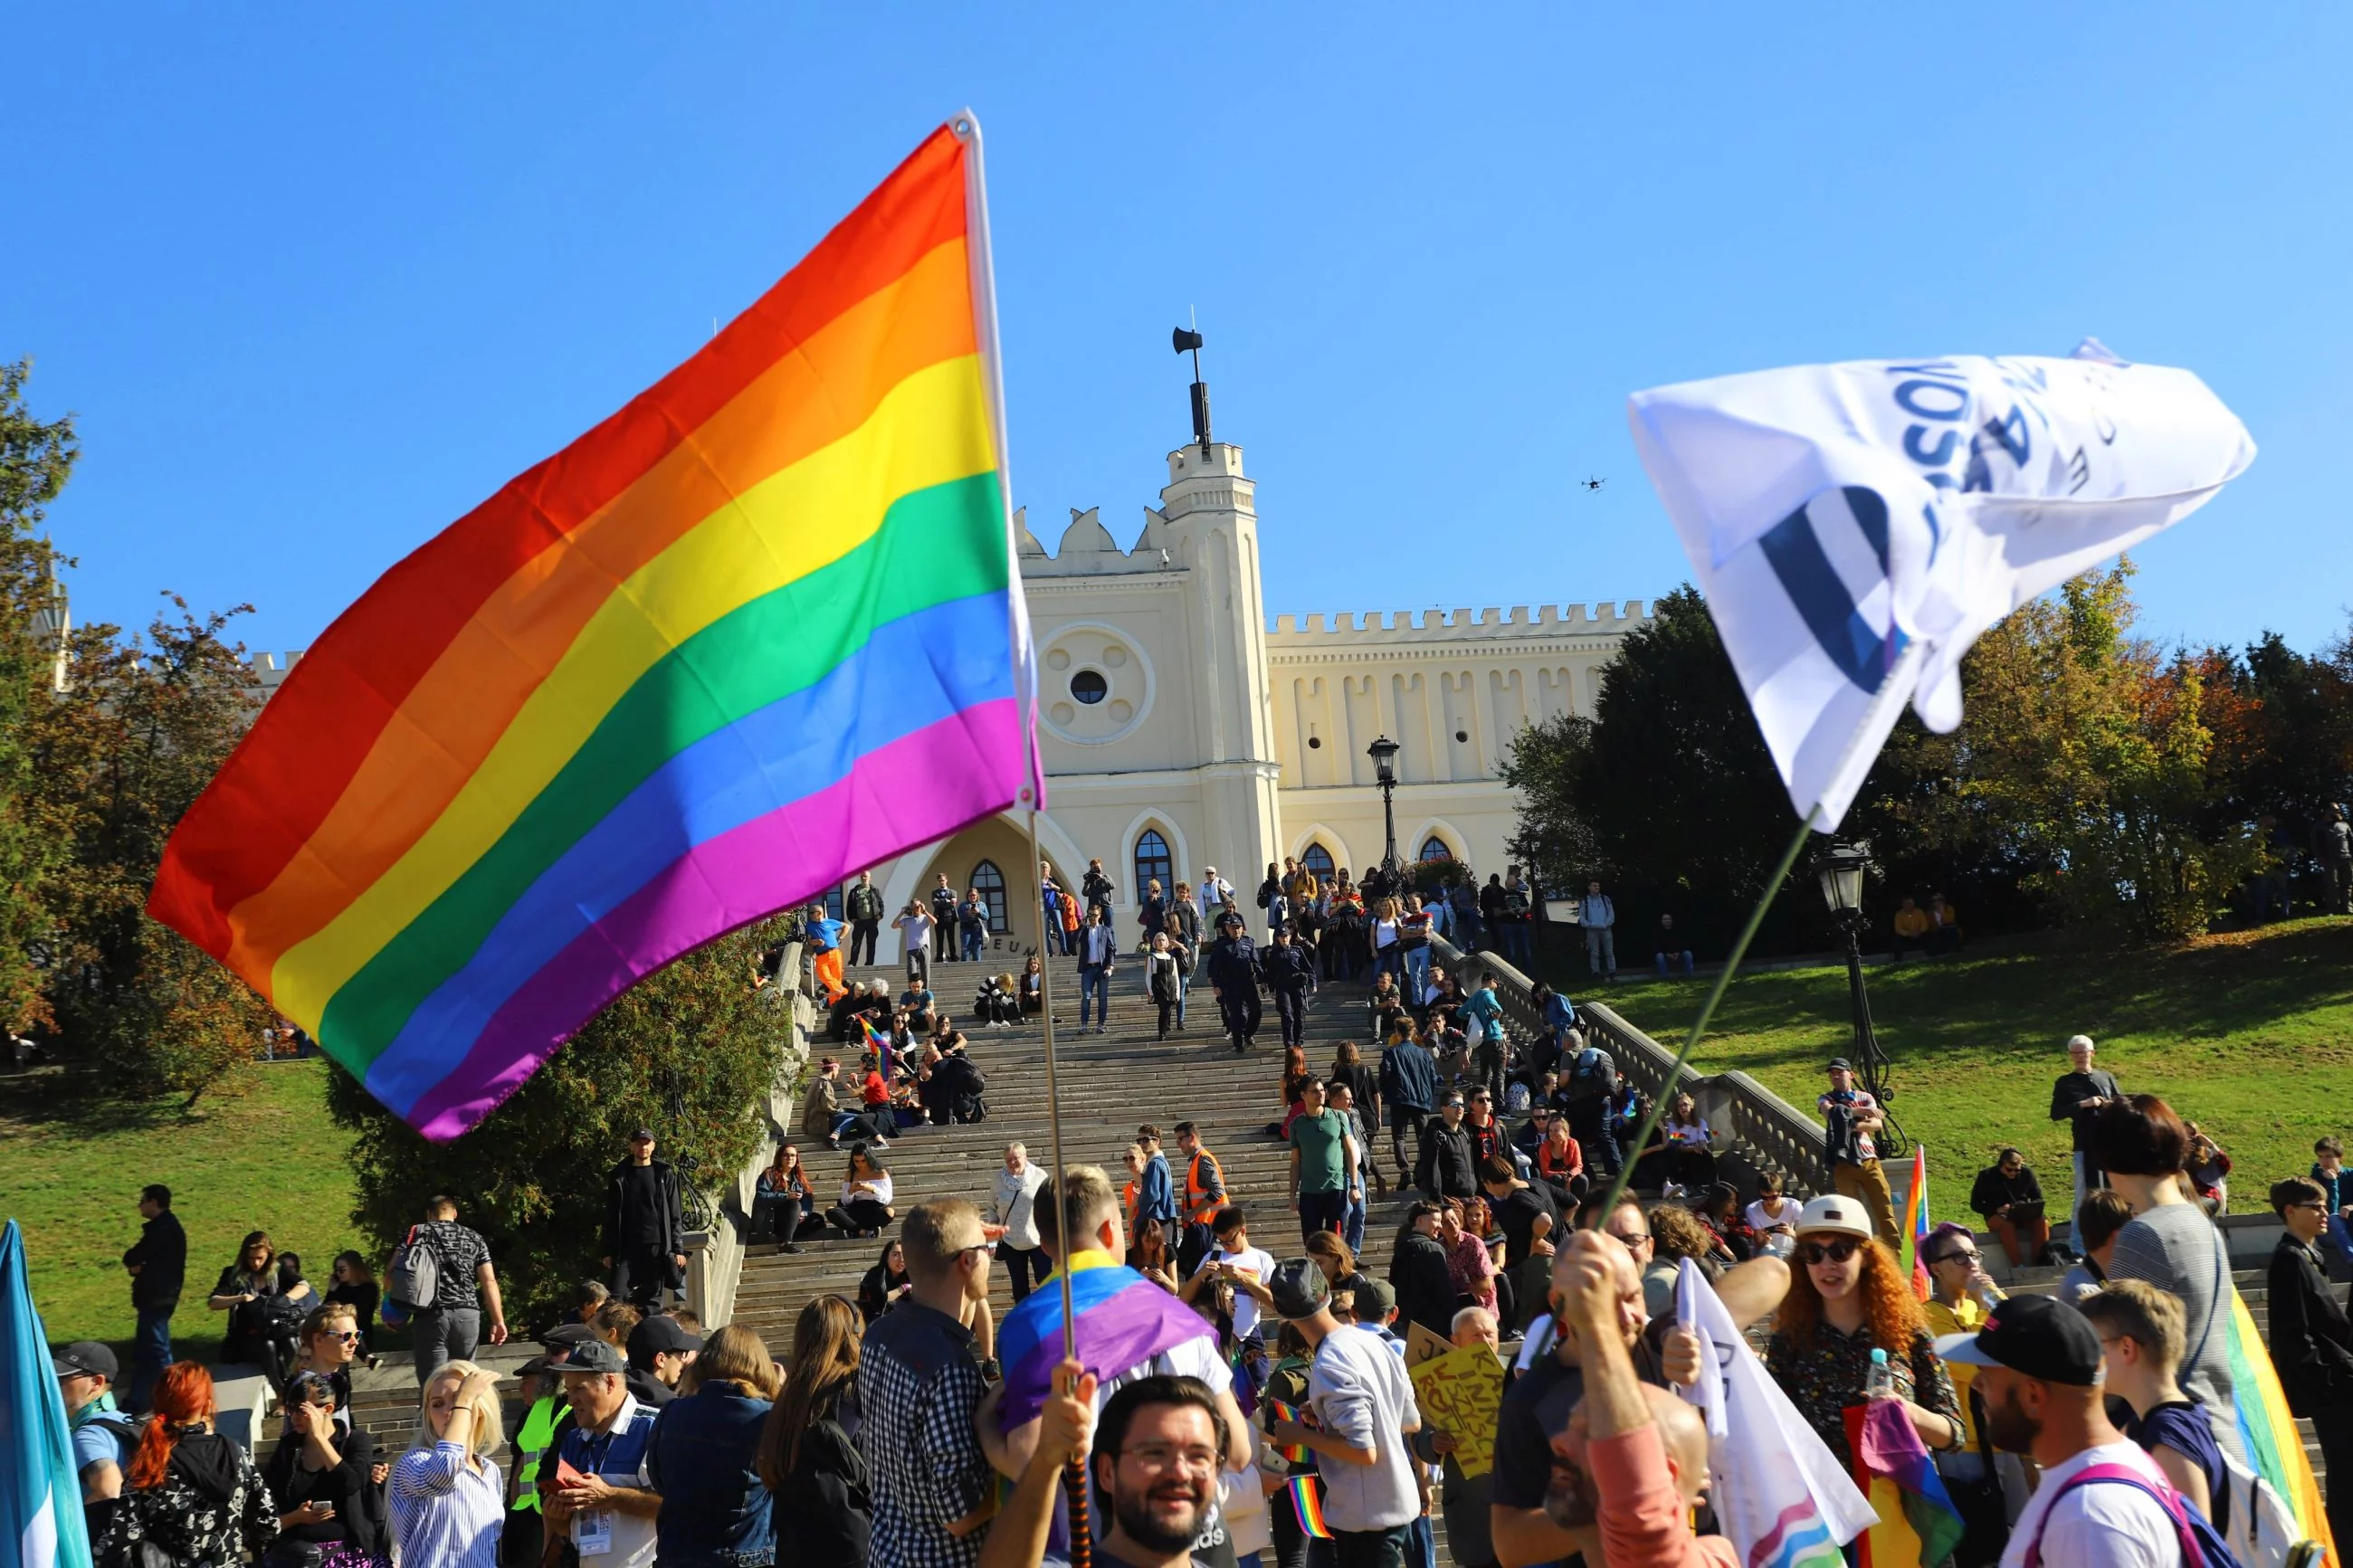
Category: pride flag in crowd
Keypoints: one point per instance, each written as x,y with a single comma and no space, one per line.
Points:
1307,1500
756,630
1918,1524
879,1040
2268,1431
1122,1319
1916,1226
40,1495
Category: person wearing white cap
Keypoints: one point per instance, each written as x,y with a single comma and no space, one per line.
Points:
1850,1308
1216,891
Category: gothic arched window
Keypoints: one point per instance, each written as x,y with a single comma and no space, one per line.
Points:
990,881
1434,848
1318,859
833,902
1153,859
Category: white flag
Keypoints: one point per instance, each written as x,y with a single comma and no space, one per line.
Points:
1856,527
1780,1496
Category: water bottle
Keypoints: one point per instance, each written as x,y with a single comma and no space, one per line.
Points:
1881,1384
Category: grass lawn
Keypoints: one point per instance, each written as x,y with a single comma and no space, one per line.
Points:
262,1157
2248,1033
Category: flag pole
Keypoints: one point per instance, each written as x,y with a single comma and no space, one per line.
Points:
1894,688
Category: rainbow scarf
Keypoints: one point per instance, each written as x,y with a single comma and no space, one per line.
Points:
657,688
2267,1430
1307,1499
1123,1321
1914,1231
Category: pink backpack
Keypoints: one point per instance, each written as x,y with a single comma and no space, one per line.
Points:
2201,1544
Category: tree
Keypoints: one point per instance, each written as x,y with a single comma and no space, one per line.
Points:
691,1051
36,457
122,753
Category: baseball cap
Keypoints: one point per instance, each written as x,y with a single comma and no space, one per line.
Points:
86,1358
1375,1298
659,1334
642,1135
1840,1064
1831,1214
1299,1289
2039,1336
593,1356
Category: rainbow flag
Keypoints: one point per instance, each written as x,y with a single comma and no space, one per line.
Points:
1916,1225
879,1040
2268,1431
1307,1499
758,629
1918,1524
1123,1320
1294,1452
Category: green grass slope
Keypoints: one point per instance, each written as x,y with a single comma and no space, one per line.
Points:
2248,1033
263,1158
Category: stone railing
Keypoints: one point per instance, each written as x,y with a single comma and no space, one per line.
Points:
1740,1109
714,1258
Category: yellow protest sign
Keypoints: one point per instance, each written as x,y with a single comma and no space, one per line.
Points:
1460,1393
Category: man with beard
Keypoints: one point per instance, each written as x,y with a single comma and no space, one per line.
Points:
2039,1363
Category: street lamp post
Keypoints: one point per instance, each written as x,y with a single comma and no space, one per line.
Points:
1384,751
1842,868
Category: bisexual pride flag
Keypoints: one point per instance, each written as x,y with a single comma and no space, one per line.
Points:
1123,1320
756,630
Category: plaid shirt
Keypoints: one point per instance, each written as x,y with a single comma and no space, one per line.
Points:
918,1386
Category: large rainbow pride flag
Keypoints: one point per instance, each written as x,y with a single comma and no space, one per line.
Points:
757,630
1122,1319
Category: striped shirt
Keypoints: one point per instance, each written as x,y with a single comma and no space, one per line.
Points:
444,1512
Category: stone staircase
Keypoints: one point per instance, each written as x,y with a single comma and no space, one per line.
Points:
1111,1084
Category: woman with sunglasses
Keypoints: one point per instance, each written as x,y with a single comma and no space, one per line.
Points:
1848,1297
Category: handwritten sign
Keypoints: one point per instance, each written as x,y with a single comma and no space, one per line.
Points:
1460,1394
1421,1345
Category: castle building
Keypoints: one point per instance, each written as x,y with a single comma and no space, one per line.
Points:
1181,732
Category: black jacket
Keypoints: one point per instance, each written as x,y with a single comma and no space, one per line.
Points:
826,1507
944,907
1448,1167
1095,887
1994,1190
2311,1340
1290,969
1425,1289
1233,965
864,903
673,1212
161,1256
356,1499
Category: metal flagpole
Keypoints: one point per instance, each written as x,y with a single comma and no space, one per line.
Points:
1074,1481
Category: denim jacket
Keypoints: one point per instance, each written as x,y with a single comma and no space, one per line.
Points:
702,1458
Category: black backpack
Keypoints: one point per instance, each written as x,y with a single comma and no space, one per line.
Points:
1593,1073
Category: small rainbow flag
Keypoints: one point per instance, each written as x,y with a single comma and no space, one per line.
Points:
1918,1523
1294,1452
1916,1225
1307,1499
2268,1431
756,630
879,1040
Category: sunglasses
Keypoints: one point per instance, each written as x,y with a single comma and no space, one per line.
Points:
1837,1251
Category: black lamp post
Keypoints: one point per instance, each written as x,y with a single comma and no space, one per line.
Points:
1841,868
1384,751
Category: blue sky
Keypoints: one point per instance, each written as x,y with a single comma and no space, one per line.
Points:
315,285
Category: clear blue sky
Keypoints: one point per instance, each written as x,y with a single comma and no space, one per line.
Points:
315,285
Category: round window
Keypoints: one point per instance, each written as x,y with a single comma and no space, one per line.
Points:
1088,686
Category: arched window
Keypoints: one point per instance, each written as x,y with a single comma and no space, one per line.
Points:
833,902
991,883
1153,859
1318,859
1434,848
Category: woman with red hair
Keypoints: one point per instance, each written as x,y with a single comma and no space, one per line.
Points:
190,1492
1848,1297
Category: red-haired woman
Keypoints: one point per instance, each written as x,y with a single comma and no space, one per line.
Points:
190,1492
1848,1297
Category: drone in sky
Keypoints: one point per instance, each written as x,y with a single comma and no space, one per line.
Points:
1593,484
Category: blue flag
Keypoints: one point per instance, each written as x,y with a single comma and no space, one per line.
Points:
40,1496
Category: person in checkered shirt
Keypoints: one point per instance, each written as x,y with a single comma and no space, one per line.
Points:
919,1383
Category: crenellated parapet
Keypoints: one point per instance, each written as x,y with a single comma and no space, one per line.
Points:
1512,623
270,670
